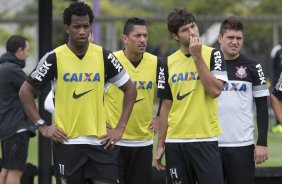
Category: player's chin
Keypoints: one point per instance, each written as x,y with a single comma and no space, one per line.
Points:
81,42
234,53
141,50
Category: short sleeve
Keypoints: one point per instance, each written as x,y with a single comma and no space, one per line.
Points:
218,65
164,91
45,71
114,71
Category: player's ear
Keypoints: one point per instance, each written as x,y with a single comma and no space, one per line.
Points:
219,38
174,36
67,28
124,38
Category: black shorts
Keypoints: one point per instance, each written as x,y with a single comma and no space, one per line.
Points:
135,165
14,151
238,164
194,162
77,162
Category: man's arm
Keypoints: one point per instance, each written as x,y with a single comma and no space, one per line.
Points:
154,125
27,93
277,107
211,84
261,150
129,98
161,72
166,106
115,134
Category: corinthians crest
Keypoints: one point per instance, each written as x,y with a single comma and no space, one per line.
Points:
241,72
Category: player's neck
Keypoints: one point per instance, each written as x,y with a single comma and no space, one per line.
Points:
185,50
78,50
231,57
133,57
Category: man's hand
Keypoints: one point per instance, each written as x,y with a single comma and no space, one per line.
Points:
112,137
158,158
260,154
154,125
53,132
195,46
108,127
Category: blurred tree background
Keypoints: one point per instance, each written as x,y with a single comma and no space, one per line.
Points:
258,28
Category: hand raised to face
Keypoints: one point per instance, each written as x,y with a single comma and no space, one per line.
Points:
195,46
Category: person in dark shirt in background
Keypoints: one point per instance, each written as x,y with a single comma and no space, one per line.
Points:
15,127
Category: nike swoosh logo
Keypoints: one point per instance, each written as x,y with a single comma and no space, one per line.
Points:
76,96
181,97
139,100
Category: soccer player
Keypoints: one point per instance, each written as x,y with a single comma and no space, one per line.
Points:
276,98
79,71
189,123
246,85
136,145
15,127
276,57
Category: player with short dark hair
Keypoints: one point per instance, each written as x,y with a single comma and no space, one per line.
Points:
136,145
78,72
78,9
189,125
246,85
15,127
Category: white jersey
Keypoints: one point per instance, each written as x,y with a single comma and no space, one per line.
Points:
246,81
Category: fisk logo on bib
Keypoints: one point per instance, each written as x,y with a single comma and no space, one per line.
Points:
218,60
42,71
261,74
115,62
161,78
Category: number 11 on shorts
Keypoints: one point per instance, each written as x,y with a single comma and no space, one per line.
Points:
62,169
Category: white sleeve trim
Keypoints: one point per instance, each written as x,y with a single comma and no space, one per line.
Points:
261,93
122,80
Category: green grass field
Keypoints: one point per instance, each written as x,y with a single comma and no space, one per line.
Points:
274,147
275,151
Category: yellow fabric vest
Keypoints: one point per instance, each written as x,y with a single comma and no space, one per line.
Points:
79,92
193,113
144,79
